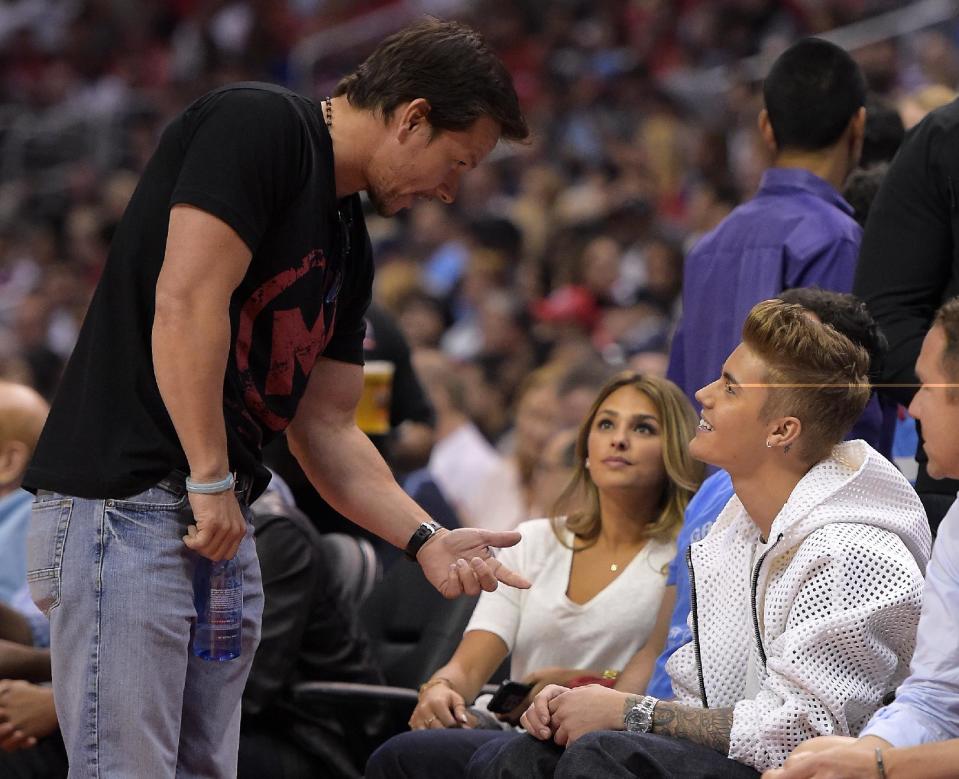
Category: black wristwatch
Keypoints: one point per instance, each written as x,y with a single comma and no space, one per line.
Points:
420,536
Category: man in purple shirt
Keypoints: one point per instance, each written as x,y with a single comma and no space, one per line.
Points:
797,231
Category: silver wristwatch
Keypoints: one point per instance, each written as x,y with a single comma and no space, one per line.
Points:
639,719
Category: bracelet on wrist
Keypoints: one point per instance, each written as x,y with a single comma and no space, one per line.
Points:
211,487
433,682
880,764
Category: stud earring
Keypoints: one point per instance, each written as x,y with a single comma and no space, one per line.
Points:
587,463
769,445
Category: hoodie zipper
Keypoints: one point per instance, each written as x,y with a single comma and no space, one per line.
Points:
695,614
759,640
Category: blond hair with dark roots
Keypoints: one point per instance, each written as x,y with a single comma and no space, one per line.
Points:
677,424
814,373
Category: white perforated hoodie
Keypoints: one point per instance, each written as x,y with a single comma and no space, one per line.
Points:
829,611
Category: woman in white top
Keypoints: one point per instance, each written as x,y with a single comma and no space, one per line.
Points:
593,572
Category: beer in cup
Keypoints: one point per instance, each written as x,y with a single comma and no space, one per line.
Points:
373,410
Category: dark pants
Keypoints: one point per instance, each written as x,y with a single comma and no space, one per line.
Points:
606,753
47,760
265,754
424,754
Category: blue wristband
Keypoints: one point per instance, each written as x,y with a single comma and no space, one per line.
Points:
211,488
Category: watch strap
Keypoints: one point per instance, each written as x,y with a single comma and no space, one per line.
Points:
420,536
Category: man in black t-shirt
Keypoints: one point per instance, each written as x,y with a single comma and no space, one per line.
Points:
909,266
230,311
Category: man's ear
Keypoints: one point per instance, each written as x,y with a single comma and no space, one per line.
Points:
14,456
414,118
785,433
766,131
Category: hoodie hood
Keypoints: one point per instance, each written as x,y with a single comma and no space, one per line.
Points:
855,484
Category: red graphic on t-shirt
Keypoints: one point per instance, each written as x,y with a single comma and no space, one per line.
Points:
293,341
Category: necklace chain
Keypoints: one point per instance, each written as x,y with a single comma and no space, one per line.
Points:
329,112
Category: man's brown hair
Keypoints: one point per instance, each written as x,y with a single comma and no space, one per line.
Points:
447,64
947,317
815,373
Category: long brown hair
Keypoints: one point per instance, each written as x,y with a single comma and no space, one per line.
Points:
683,473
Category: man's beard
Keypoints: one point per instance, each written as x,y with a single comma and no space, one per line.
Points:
381,207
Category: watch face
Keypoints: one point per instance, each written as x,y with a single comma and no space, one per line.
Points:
639,719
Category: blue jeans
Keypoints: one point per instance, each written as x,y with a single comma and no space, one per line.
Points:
116,581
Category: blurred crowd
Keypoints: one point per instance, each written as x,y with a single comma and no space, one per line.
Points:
564,251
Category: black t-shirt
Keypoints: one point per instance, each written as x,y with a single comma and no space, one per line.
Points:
258,157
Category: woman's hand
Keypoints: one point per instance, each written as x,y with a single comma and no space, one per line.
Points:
440,706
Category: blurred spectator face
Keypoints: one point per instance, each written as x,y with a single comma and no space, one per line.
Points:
33,319
485,403
500,324
421,321
706,208
479,189
536,420
430,225
650,363
938,59
600,265
663,270
417,161
553,470
484,274
575,406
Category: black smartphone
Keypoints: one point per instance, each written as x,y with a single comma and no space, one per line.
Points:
508,696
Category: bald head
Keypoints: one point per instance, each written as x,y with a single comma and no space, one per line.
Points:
22,414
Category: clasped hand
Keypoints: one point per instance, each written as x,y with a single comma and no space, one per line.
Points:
27,714
565,714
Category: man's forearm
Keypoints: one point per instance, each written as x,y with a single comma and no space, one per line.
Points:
24,662
353,478
709,727
14,626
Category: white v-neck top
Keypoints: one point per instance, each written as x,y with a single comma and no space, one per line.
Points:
542,627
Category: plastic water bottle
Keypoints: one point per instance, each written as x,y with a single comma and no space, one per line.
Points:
218,597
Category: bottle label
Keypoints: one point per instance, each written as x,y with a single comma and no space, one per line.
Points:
224,607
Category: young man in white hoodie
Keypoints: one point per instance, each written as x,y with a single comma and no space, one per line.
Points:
805,594
916,736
